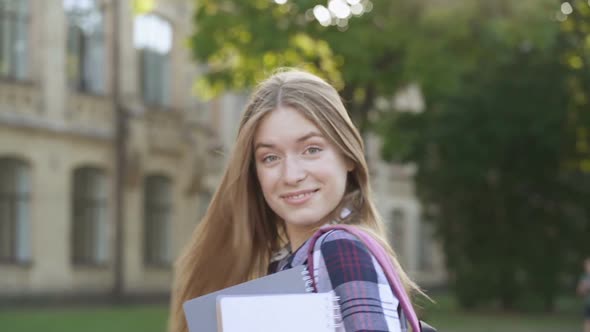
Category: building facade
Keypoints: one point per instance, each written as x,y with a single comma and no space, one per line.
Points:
57,136
58,157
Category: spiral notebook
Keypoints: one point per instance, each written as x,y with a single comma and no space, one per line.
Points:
316,312
201,312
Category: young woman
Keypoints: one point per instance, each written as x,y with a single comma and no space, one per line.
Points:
298,163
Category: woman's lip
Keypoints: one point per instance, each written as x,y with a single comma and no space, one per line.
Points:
300,192
299,197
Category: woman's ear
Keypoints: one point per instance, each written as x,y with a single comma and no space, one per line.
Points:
350,166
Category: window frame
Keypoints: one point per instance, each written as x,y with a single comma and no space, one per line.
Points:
17,253
157,255
16,20
88,228
83,79
163,76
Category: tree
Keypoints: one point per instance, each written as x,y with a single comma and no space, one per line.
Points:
367,56
492,146
575,56
495,164
242,41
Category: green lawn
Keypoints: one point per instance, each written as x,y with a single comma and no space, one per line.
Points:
445,316
505,323
144,318
86,319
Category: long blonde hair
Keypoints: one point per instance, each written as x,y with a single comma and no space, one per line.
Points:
239,231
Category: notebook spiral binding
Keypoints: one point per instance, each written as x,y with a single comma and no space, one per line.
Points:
307,280
338,322
335,305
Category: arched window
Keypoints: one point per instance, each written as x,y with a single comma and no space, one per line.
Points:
14,39
153,39
398,232
89,217
15,191
85,46
157,217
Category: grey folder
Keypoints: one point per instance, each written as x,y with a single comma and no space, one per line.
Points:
201,312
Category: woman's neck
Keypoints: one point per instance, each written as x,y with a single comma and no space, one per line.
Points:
298,235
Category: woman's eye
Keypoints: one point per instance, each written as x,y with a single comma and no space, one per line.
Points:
313,150
269,159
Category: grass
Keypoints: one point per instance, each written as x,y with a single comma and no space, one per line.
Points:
87,319
444,315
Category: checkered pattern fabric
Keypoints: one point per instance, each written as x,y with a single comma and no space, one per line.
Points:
343,265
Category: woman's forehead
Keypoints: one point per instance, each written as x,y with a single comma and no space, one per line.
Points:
289,124
286,123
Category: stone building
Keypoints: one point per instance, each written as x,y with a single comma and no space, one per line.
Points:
57,145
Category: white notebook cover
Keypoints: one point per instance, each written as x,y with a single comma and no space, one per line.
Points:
201,313
271,313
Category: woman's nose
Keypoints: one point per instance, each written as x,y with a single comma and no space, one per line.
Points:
293,171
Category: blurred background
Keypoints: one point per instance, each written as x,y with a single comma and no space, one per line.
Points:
116,117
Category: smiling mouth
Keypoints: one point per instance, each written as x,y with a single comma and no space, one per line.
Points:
299,196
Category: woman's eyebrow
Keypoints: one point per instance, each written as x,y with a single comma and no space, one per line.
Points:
303,138
263,145
308,136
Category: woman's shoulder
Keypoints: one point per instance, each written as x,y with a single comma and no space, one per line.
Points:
345,258
337,235
338,241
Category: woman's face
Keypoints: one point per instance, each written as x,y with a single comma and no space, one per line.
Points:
301,173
